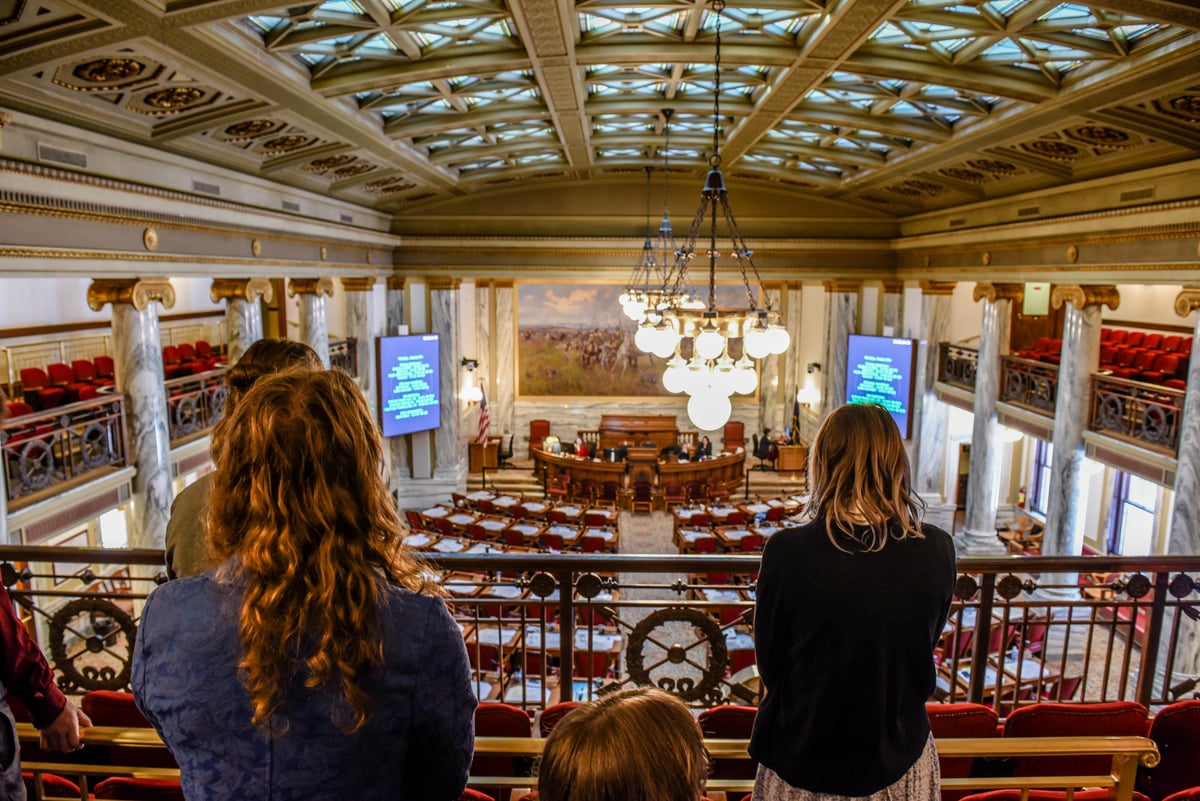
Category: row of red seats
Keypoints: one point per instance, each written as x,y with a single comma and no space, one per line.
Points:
1152,358
60,383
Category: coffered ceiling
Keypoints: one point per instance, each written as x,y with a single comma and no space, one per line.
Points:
897,106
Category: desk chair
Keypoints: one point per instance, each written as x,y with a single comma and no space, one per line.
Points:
504,453
1176,731
1114,719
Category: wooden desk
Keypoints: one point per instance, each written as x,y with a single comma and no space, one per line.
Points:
792,459
481,455
617,429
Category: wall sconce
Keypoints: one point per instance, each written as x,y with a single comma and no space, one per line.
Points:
472,394
470,364
808,396
814,367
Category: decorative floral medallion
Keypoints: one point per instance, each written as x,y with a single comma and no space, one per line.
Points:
963,174
994,166
105,74
256,247
173,100
321,165
150,239
1102,136
1059,151
286,144
380,183
904,190
250,129
1185,107
354,169
925,187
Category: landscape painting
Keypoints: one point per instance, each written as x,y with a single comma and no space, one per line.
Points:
574,339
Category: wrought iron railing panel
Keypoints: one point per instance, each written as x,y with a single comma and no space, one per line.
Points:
957,365
344,356
1029,383
195,403
1143,413
46,449
541,628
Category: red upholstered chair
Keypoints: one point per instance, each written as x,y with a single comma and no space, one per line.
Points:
551,541
1134,339
673,494
133,789
1115,718
595,519
538,431
559,487
593,544
105,367
1190,794
471,794
775,514
63,377
642,497
38,392
1153,341
733,436
751,543
1176,731
1053,353
960,720
112,708
1172,343
52,785
1045,795
500,720
414,520
1119,335
18,409
554,714
1165,366
730,722
609,494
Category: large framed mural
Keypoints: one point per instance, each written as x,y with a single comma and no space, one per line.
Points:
574,339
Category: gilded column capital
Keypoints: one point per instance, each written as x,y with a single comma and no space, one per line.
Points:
1083,295
1187,301
445,283
842,286
503,283
137,292
938,287
247,289
364,284
794,286
893,287
396,283
994,292
310,286
5,118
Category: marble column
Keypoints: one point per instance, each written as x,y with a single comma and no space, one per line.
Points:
841,320
361,328
792,368
314,327
893,308
243,311
397,446
137,356
482,376
930,414
1080,358
504,362
1185,518
770,401
450,440
983,492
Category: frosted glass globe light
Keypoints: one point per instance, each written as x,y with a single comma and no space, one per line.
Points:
644,338
666,339
698,376
675,377
709,410
745,379
710,342
780,339
755,341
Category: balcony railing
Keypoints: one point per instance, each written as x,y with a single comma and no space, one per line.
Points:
195,404
46,450
344,356
957,365
1024,382
540,628
1143,413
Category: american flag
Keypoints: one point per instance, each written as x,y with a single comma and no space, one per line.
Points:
485,419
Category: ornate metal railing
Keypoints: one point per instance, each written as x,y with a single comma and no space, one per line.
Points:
344,356
957,365
195,404
1028,383
47,449
546,627
1143,413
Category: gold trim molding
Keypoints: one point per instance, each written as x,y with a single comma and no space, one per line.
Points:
365,284
842,286
503,283
1187,301
1082,296
395,283
893,287
137,292
938,287
994,292
445,283
247,289
310,286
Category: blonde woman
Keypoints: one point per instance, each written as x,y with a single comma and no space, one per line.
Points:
312,662
849,609
640,744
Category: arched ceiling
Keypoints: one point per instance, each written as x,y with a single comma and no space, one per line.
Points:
898,106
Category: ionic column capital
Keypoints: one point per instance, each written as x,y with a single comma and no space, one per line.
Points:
396,283
994,292
503,283
938,287
893,287
136,292
1082,295
841,286
247,289
310,286
1187,301
365,284
445,283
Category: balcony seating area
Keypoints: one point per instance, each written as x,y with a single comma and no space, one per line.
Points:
1152,358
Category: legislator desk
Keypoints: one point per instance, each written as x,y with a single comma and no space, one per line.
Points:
554,464
638,429
727,468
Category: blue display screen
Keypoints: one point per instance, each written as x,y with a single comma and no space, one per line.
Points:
409,384
880,370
